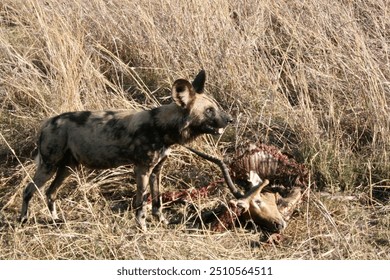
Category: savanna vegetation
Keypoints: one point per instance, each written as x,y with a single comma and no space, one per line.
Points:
310,77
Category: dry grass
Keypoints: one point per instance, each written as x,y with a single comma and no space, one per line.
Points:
312,77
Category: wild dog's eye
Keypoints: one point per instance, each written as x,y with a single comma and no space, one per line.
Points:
210,112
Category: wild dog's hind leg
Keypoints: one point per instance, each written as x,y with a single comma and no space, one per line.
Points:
142,177
51,193
155,181
42,175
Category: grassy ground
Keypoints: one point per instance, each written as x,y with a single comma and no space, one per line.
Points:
311,77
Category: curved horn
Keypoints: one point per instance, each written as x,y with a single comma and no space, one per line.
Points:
225,171
257,189
262,186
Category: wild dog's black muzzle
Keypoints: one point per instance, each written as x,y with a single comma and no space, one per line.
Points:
229,119
226,119
222,123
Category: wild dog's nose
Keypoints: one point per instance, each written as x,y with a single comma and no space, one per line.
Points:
229,118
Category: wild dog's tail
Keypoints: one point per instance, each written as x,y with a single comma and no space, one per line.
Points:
37,151
37,156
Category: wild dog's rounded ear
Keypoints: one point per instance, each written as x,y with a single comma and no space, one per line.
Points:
199,81
182,93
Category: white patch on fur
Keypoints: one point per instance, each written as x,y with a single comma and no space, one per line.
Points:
37,159
220,131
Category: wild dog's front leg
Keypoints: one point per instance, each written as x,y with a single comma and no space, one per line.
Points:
142,177
155,180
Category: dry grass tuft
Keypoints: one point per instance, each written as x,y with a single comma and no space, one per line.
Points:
311,77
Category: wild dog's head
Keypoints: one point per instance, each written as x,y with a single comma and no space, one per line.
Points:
203,113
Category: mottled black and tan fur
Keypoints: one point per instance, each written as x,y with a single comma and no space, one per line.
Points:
108,139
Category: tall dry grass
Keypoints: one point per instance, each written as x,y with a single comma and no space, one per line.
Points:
311,77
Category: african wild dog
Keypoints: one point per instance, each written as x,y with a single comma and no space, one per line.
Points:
107,139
